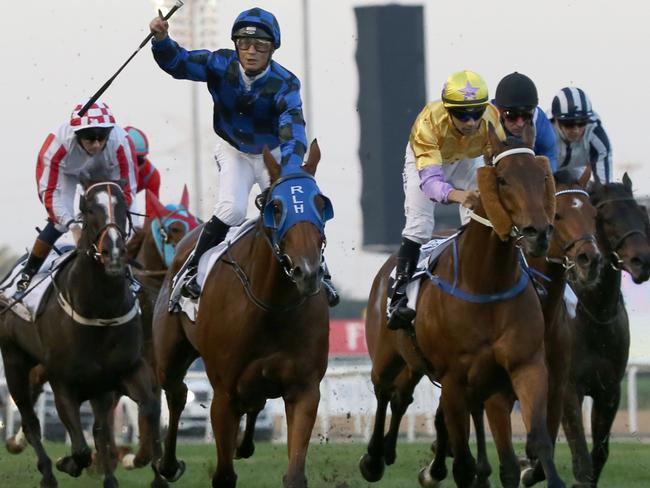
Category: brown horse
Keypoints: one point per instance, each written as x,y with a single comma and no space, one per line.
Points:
475,349
573,255
88,341
261,329
602,337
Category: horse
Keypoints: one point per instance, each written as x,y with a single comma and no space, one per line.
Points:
601,327
261,328
573,256
87,342
479,347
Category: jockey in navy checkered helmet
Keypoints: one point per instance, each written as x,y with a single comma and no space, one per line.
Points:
257,23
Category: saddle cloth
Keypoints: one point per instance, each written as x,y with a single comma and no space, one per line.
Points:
208,260
30,306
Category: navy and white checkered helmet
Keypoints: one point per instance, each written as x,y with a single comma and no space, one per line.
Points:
571,104
259,19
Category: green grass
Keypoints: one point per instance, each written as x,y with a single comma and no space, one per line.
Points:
331,465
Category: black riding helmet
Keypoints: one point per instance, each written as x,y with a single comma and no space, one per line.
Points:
516,91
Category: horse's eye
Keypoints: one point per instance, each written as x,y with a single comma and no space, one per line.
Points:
558,216
277,208
501,181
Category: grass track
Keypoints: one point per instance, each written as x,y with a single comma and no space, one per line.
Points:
332,465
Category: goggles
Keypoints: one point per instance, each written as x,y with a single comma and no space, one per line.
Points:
570,124
513,115
92,134
261,45
466,115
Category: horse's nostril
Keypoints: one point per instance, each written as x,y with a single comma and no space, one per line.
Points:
297,272
636,262
529,231
582,259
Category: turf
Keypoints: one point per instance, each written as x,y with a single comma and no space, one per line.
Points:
329,465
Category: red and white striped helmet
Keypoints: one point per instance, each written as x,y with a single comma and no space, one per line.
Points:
98,115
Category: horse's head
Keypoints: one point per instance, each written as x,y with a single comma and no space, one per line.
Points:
104,212
169,224
518,193
574,242
622,227
294,212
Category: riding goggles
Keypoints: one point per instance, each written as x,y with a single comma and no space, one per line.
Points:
261,45
570,124
94,133
513,115
465,115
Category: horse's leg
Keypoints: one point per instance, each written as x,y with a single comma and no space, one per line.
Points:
436,471
18,442
399,403
498,412
17,365
483,468
139,386
456,411
104,438
603,413
301,409
573,426
372,462
225,425
67,406
530,382
246,446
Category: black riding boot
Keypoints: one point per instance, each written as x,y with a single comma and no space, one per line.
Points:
399,315
36,258
214,231
333,297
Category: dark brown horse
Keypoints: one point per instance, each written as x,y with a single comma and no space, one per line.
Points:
262,326
88,341
475,349
602,338
573,255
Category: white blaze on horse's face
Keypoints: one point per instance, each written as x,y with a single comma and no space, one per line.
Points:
108,202
576,204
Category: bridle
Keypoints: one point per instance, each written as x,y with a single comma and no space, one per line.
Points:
617,262
97,246
566,262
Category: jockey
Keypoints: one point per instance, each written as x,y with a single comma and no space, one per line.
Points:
256,104
447,144
148,175
92,145
516,99
581,137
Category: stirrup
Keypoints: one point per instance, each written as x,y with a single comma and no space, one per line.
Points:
22,285
191,288
400,316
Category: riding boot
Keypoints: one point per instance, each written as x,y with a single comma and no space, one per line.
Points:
36,258
400,316
333,297
214,231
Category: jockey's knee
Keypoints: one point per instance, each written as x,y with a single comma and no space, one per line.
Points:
229,213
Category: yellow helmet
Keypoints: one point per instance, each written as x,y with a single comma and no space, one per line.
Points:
464,89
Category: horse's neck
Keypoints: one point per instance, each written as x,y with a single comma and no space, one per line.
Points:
485,262
91,292
602,300
148,255
556,273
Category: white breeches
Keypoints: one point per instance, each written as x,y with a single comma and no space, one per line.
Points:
238,172
418,209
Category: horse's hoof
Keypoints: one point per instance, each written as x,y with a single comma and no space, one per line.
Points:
481,483
245,451
110,482
50,482
14,447
389,457
170,476
69,466
128,461
372,470
426,480
527,477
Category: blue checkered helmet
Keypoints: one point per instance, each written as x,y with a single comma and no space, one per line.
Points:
260,19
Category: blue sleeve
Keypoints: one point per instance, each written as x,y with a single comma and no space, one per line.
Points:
291,126
180,63
545,141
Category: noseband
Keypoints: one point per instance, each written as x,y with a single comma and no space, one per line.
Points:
617,261
98,242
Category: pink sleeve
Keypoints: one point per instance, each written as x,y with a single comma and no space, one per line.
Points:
433,184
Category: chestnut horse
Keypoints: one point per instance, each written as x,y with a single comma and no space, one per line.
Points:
601,327
88,341
478,347
573,255
262,325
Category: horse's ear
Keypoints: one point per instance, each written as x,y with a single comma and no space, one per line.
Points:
496,145
154,208
585,177
271,164
627,183
549,187
488,189
528,135
185,198
313,158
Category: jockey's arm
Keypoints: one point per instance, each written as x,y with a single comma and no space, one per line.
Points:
179,62
600,154
55,189
291,127
545,140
